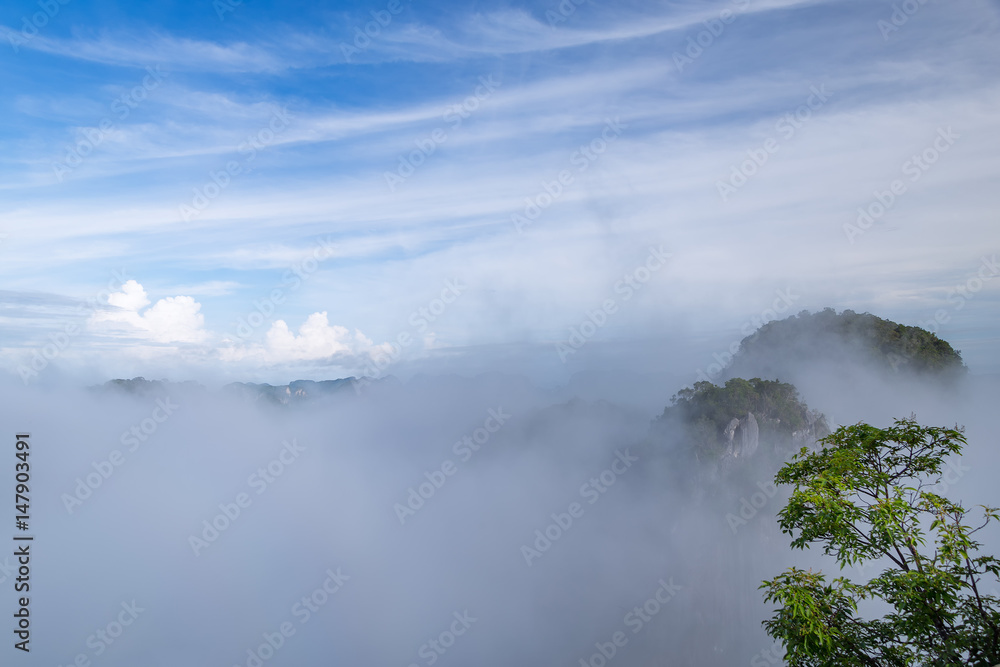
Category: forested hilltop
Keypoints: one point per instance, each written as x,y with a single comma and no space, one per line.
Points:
724,421
780,346
730,421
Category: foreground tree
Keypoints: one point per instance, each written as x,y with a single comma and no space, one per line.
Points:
868,497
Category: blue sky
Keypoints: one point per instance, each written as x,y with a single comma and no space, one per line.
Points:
503,166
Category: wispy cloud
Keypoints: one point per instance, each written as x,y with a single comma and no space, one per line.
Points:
490,33
178,53
557,86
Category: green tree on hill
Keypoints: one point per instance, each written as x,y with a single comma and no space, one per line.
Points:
868,496
704,411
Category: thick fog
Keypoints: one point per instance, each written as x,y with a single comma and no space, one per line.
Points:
529,224
439,520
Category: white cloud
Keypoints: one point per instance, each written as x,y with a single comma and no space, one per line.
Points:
132,297
316,340
177,319
177,52
174,319
498,32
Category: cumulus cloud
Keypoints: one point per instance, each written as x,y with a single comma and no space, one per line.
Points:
132,297
174,319
178,319
316,340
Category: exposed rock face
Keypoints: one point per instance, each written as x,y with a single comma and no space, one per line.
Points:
743,436
815,430
750,435
731,430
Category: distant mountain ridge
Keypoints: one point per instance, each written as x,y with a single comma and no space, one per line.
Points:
293,392
296,391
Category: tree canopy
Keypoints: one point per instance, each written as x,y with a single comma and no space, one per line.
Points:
705,410
868,496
